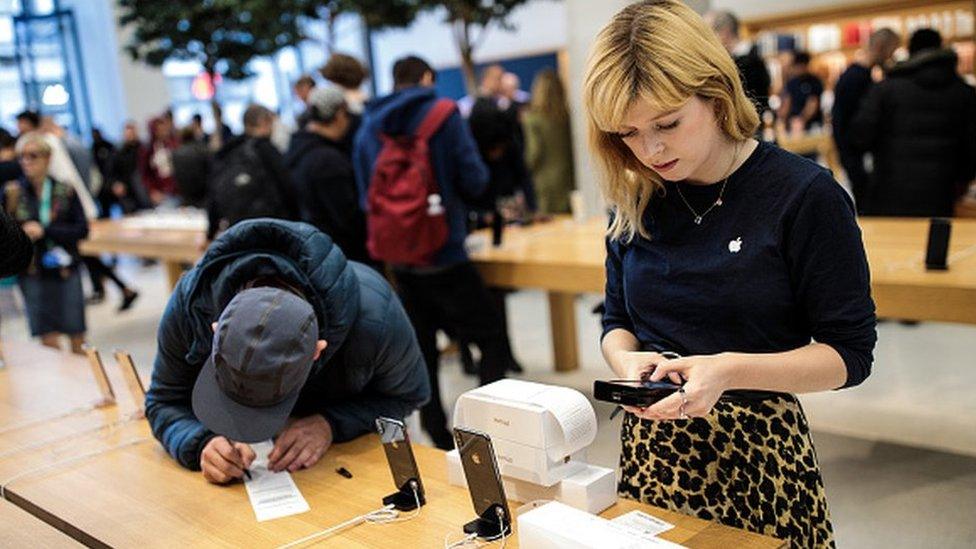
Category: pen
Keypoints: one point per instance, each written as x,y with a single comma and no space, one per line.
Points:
241,459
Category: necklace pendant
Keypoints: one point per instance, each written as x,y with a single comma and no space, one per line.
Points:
718,202
698,220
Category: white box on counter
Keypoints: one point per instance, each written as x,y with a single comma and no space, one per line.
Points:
559,526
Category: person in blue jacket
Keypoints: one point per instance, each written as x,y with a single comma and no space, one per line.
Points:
274,334
449,294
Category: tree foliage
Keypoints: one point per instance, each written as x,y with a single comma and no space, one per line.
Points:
223,35
470,21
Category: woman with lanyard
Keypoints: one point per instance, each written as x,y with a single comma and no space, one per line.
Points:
744,259
51,215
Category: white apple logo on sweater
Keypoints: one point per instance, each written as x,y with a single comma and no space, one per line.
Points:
735,245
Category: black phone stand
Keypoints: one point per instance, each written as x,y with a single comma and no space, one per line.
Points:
405,500
489,529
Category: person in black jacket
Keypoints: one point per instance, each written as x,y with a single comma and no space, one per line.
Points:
191,168
103,152
9,167
17,249
752,68
920,126
122,185
849,92
323,174
249,178
275,334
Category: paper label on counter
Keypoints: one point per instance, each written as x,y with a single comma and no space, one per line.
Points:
273,495
648,526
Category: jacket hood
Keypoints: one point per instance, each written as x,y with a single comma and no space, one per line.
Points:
230,145
302,143
297,252
930,68
397,113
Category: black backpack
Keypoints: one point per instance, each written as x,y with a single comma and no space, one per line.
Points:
243,188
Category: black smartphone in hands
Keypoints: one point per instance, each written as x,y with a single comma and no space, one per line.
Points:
633,392
403,465
484,484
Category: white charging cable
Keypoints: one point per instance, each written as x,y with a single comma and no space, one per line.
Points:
5,485
384,515
81,411
473,540
387,516
71,436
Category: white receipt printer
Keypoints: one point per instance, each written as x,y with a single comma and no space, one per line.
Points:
539,432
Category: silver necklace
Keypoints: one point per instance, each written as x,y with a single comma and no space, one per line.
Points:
721,192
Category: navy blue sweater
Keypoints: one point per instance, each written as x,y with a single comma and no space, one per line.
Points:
781,262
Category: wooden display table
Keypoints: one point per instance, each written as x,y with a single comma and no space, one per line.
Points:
51,407
138,496
19,529
173,247
566,258
821,144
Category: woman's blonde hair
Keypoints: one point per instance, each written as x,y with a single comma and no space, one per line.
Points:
34,139
662,52
549,95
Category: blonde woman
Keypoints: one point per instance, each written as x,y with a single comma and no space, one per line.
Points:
52,216
744,259
549,144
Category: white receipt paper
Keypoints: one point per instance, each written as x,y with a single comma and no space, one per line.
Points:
640,522
272,495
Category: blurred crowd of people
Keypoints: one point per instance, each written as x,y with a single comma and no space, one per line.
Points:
905,131
501,155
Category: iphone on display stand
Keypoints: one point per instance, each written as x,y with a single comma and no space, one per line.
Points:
484,484
403,466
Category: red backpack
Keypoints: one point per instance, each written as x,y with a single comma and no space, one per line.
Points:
404,213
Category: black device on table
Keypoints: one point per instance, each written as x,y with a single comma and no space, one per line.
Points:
484,484
937,251
403,466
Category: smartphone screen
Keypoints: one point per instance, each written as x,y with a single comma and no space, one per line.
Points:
481,473
399,454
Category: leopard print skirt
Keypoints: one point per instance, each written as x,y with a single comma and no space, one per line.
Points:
748,464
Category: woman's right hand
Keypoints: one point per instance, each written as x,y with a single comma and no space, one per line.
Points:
639,364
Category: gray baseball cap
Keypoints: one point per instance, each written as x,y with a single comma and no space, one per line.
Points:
324,102
261,357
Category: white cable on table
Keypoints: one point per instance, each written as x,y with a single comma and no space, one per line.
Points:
81,411
329,531
385,515
35,445
473,537
6,484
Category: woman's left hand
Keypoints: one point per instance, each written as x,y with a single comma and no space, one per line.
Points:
706,378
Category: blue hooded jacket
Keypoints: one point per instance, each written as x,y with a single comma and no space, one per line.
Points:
371,367
461,174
